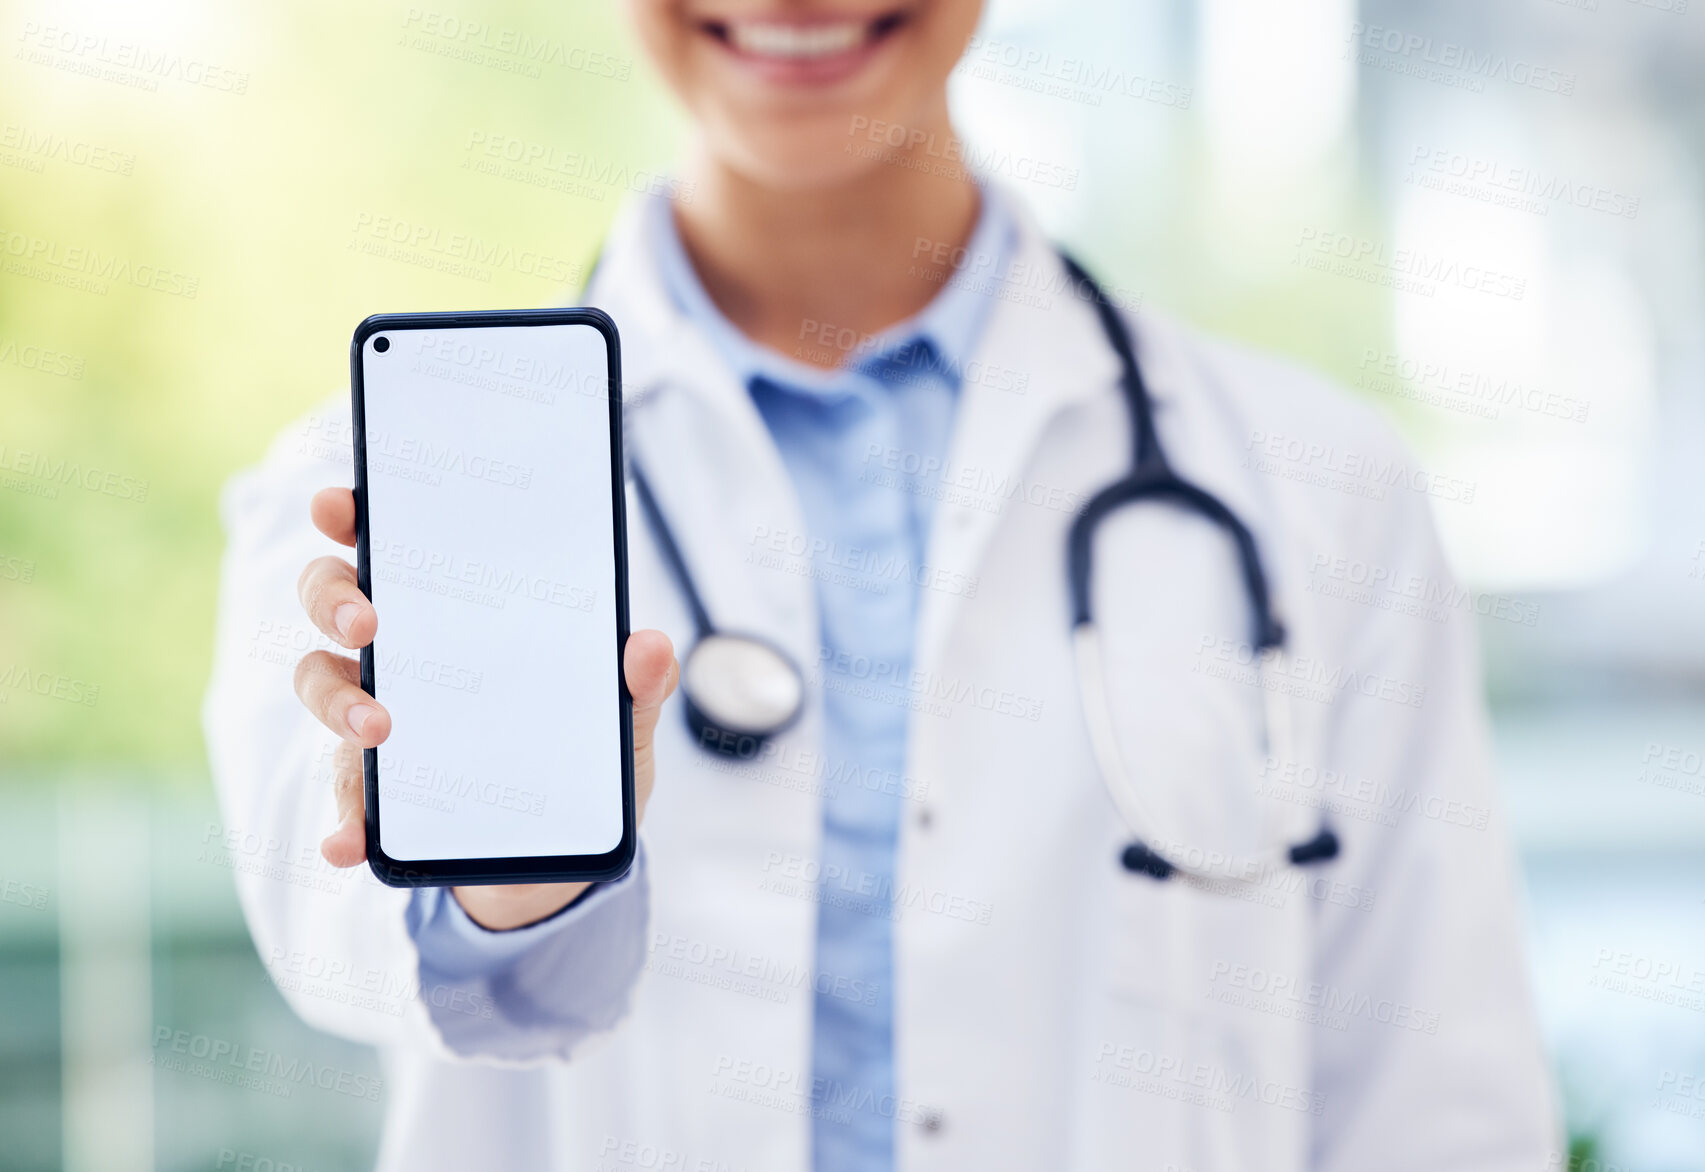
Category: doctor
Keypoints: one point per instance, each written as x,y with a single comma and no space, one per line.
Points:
911,929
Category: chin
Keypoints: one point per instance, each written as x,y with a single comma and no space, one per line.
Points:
801,158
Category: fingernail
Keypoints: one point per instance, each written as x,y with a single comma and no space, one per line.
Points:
358,716
344,617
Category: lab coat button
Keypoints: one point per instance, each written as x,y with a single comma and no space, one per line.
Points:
932,1120
926,817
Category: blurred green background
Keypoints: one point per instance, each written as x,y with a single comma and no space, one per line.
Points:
258,197
261,154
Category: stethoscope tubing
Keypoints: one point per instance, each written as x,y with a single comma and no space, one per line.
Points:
1151,478
1192,865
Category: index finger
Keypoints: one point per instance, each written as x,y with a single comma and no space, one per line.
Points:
333,513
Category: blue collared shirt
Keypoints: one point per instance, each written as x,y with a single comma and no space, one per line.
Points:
863,444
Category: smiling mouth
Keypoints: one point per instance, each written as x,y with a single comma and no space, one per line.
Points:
809,44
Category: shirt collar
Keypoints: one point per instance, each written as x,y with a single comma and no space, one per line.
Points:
950,325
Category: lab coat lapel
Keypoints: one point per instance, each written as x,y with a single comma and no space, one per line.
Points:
1048,340
706,452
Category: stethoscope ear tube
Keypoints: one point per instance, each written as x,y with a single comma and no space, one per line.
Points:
758,689
1151,479
671,551
1160,483
1172,855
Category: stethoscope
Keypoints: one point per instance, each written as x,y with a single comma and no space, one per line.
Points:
740,689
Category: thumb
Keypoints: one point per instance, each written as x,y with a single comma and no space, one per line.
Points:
648,664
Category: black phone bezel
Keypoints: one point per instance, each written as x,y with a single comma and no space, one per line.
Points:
523,868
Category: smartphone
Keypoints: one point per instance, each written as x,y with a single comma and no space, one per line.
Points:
490,536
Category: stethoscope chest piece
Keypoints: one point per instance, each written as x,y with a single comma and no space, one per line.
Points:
740,690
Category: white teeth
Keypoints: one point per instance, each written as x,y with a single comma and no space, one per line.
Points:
797,41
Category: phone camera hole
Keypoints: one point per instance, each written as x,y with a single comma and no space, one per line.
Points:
381,344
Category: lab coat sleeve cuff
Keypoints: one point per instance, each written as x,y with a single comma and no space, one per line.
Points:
453,946
535,993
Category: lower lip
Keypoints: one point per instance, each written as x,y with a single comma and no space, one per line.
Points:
808,71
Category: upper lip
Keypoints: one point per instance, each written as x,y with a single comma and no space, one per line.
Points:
793,18
799,22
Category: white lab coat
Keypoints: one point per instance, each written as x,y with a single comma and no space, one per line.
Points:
1051,1010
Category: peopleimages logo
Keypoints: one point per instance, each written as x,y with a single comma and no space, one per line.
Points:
953,154
864,568
1285,989
513,50
730,967
251,1067
570,172
39,147
1472,392
450,574
1199,1083
46,475
465,254
409,457
1357,473
1409,270
1323,680
1421,595
1438,60
898,676
40,359
1074,78
87,269
825,341
127,62
1012,278
1363,795
16,678
1492,180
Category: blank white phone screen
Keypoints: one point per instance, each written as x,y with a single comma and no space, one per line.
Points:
493,571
